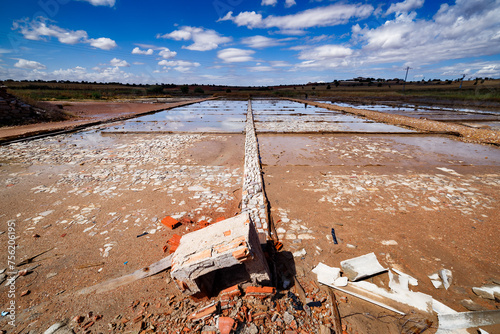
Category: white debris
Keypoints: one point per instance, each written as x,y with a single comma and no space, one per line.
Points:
361,267
488,291
326,273
300,253
442,278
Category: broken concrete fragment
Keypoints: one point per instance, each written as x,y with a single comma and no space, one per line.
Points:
361,267
170,222
490,291
208,260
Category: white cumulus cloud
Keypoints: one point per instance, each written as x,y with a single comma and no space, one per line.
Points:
260,42
289,3
103,43
137,51
269,2
29,64
467,29
178,65
326,16
119,63
203,39
248,19
234,55
109,3
38,28
325,52
405,6
166,53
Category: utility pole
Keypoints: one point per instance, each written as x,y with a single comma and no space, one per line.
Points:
461,81
406,76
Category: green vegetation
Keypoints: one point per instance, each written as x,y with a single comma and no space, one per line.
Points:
480,89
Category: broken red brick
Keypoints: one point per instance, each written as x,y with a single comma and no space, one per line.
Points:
230,292
170,222
226,325
203,224
260,292
227,233
87,325
220,219
204,313
173,249
185,221
174,242
241,254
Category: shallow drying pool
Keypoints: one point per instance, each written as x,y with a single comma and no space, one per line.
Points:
208,116
288,116
466,116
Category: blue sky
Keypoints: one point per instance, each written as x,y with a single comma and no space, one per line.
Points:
243,42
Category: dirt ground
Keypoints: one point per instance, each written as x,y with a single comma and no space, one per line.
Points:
421,203
89,208
418,206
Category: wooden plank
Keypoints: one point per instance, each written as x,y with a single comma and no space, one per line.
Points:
114,283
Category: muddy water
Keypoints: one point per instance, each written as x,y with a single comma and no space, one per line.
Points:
382,150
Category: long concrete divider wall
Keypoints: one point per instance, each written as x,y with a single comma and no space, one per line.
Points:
253,198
